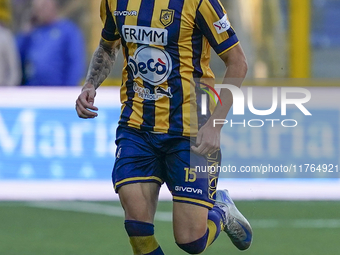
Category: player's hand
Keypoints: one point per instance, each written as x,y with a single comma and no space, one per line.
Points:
85,101
208,140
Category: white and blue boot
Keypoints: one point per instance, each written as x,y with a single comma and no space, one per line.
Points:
236,225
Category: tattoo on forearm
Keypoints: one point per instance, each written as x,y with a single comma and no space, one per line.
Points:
102,62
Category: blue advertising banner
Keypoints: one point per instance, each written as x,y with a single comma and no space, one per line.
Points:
52,144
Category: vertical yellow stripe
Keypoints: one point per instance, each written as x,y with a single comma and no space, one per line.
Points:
212,232
162,105
103,14
136,118
300,12
102,11
113,7
123,89
189,107
132,21
223,8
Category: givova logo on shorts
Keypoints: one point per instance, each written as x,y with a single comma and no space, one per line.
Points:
153,65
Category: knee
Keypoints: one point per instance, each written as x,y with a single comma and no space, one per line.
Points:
195,247
188,233
188,248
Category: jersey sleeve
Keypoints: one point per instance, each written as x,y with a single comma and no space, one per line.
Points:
212,20
110,31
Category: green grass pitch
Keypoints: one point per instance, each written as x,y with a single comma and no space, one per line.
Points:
280,228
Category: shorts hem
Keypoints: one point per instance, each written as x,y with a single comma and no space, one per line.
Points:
193,201
132,180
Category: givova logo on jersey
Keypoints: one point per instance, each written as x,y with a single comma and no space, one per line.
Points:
152,64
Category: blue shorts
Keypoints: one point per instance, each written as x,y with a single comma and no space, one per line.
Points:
143,156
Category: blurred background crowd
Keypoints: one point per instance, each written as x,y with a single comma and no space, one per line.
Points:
50,42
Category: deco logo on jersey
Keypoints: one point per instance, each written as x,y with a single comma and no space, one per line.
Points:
167,17
145,35
153,65
222,25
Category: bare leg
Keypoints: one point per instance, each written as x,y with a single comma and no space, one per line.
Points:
189,222
140,202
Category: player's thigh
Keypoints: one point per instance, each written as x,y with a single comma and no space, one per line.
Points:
139,201
193,192
136,174
136,159
189,222
188,185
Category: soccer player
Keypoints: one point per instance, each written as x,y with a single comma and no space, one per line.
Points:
161,136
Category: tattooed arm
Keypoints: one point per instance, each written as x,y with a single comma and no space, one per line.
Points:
100,67
102,62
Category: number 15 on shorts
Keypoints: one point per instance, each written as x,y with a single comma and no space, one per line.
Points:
190,174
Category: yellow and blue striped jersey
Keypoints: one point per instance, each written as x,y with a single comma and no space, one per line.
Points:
166,44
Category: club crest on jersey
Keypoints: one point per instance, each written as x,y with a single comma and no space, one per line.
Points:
167,17
222,25
152,64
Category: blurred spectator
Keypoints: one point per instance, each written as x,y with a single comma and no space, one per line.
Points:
53,50
10,73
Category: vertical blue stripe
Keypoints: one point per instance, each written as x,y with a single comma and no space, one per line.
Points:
175,81
204,27
197,46
109,23
145,19
231,32
125,117
108,33
145,13
120,19
217,7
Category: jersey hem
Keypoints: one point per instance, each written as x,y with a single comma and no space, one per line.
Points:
231,47
227,44
109,36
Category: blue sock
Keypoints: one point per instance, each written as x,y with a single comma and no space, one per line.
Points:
216,223
142,238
